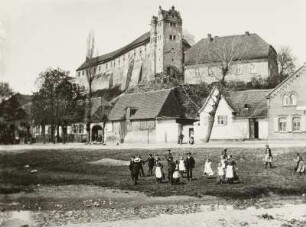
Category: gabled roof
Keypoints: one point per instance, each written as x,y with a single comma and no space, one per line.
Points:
248,103
245,104
202,52
303,67
148,105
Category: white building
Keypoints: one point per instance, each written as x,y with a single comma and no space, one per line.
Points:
240,115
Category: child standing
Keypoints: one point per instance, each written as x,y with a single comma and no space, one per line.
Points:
221,174
158,172
176,174
182,167
207,168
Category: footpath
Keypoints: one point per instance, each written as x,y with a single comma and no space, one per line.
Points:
221,144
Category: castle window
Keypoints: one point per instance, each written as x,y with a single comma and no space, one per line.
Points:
296,124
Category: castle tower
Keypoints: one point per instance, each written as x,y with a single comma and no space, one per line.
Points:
166,42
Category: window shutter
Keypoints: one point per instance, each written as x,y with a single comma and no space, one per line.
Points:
275,126
289,124
303,123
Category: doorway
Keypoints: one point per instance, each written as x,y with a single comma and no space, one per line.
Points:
96,133
256,130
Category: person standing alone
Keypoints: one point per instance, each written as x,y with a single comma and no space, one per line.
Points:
268,157
190,163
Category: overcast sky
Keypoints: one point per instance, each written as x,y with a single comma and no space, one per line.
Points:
37,34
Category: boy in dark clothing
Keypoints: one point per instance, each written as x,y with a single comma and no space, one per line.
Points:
171,169
151,162
189,163
135,168
141,172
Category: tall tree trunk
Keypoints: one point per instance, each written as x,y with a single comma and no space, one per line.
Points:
43,133
57,133
213,112
88,113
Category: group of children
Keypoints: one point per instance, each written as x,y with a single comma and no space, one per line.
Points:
226,169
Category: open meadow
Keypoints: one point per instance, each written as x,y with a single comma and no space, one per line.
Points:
72,167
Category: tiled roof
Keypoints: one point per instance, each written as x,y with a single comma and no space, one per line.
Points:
252,46
145,38
109,56
249,103
148,105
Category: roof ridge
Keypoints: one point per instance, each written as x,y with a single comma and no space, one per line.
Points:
168,89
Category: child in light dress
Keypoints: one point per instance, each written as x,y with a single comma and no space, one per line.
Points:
221,174
159,172
207,168
182,167
176,173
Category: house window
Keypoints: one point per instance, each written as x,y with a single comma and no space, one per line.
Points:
99,67
293,99
286,100
252,68
81,128
170,37
296,124
282,124
174,37
83,72
106,65
222,120
79,74
289,100
238,69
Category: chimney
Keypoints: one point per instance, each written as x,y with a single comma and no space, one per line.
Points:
247,33
209,37
172,8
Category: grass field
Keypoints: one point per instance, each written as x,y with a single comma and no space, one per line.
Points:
66,167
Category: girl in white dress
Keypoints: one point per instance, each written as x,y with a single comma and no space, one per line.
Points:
158,172
207,168
182,167
221,174
176,174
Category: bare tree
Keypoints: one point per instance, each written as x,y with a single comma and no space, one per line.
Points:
220,60
286,61
90,75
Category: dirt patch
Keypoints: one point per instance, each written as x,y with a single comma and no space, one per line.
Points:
110,162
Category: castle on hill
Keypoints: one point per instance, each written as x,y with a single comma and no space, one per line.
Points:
165,50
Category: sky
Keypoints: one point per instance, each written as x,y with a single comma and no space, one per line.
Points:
37,34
